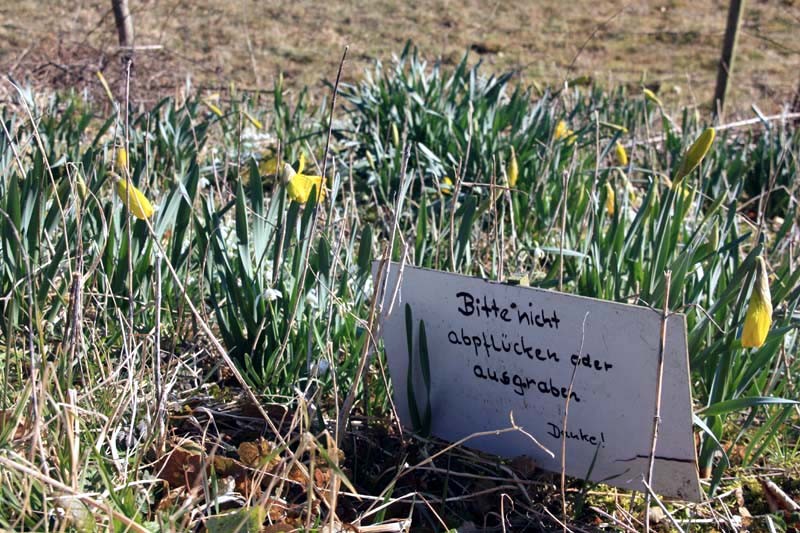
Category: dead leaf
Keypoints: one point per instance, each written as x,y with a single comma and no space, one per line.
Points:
276,509
255,454
228,467
322,477
278,528
181,466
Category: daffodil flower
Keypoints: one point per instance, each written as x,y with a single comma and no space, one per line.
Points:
758,319
622,155
214,109
446,186
104,83
616,127
629,188
136,202
121,162
694,156
299,185
650,95
253,120
610,200
268,167
563,132
513,169
81,186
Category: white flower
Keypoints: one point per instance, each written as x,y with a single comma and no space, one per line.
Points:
311,298
271,295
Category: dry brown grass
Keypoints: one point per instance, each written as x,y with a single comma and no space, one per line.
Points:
672,42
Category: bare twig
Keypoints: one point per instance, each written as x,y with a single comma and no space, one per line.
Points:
657,417
564,429
650,494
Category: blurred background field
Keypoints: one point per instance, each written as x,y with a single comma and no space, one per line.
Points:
672,45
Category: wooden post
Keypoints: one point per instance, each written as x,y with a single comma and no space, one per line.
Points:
735,11
124,23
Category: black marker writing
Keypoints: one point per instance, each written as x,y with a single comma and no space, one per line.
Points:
523,384
556,432
500,343
483,307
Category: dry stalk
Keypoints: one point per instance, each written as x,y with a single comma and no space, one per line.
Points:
564,430
657,416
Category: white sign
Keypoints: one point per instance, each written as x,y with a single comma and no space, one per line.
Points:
494,349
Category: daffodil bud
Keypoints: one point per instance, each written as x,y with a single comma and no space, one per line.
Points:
253,120
81,186
513,169
694,156
214,109
616,127
622,155
629,188
610,200
562,132
446,186
584,80
395,135
106,88
121,162
136,202
758,319
268,167
650,95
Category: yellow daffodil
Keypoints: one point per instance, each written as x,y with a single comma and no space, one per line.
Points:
561,130
687,192
214,109
268,167
759,311
580,80
107,89
615,127
622,155
121,162
513,169
81,186
299,185
694,156
610,200
629,188
446,186
650,95
136,202
253,120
